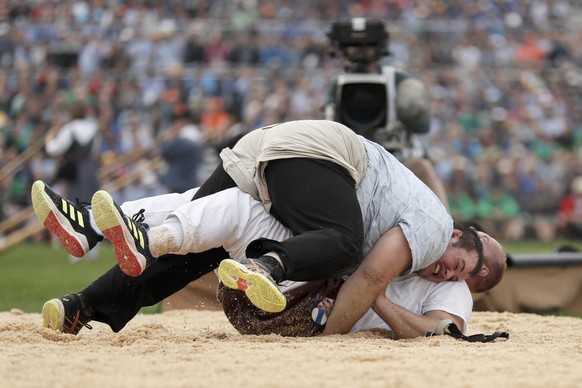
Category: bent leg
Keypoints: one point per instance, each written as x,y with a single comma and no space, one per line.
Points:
158,208
317,201
229,219
116,298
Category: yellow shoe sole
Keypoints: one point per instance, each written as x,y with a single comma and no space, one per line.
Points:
259,289
112,225
53,315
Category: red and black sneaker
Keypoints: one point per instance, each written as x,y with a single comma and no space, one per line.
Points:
68,221
128,235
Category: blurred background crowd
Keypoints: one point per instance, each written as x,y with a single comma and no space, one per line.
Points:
178,80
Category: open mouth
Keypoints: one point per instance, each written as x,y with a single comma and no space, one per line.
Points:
437,269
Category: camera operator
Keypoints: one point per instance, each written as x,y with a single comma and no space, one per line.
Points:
381,103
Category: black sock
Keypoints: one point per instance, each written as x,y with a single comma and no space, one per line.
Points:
273,265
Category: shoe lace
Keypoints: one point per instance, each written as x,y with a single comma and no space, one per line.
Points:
73,324
75,327
139,217
258,267
80,204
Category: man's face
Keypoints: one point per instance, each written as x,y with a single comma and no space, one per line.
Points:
455,264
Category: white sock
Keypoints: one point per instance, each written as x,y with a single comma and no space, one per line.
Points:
166,238
92,222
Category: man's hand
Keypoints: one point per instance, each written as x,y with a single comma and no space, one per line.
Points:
406,324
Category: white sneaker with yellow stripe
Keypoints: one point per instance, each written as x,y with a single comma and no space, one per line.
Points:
128,236
69,222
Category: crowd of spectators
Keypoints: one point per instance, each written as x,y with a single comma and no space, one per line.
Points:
504,78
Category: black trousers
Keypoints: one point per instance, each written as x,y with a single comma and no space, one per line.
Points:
315,199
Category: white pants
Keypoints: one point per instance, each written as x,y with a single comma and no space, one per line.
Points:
229,219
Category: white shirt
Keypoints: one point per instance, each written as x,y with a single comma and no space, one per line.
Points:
81,130
420,296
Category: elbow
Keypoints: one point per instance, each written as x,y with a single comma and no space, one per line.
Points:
372,278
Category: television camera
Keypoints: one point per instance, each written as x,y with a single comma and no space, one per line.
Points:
364,97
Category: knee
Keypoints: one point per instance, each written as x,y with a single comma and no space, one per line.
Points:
353,245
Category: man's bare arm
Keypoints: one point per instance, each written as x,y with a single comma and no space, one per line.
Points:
406,324
390,256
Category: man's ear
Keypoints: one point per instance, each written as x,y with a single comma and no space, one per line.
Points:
484,271
457,233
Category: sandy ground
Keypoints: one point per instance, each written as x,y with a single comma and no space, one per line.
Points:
189,348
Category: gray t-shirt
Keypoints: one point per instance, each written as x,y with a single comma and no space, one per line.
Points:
404,200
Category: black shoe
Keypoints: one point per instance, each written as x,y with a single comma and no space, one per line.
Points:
66,220
65,314
129,236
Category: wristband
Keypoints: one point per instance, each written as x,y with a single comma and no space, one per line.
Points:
442,325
